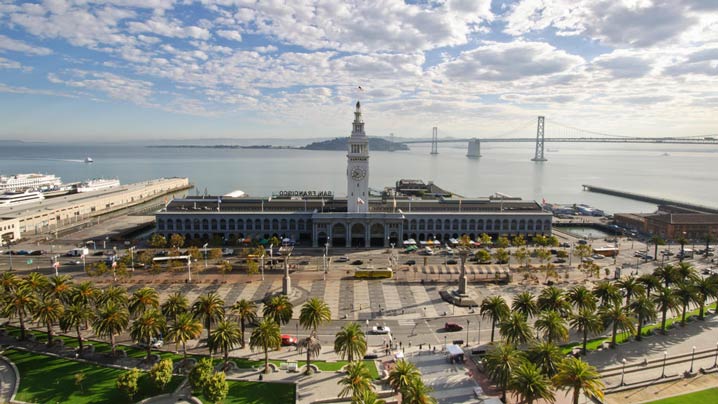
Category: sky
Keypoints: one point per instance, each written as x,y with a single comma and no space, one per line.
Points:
180,69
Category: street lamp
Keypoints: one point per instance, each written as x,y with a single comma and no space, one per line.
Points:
468,322
479,331
444,342
715,361
663,371
623,372
132,258
204,248
104,243
693,355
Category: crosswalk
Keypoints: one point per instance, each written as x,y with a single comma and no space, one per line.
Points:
348,299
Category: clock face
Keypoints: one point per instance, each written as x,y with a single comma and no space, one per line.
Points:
358,173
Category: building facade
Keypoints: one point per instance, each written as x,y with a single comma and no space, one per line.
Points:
360,220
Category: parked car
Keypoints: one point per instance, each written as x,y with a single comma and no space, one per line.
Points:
357,262
565,245
304,262
452,327
155,343
597,256
380,329
410,262
559,261
586,259
343,258
451,262
76,262
36,252
226,252
288,340
371,356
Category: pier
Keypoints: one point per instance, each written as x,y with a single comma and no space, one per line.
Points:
649,199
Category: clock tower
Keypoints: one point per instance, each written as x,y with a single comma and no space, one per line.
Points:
358,167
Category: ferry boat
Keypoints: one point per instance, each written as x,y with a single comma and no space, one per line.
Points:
98,184
22,182
19,198
89,160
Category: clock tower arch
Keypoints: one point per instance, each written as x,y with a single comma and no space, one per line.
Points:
358,166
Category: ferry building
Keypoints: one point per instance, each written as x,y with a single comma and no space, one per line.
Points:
410,209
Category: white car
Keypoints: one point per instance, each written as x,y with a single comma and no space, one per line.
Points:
380,329
597,256
342,259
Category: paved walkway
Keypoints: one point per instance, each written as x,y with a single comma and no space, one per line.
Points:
8,379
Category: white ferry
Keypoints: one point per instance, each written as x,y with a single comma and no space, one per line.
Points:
89,160
98,184
19,198
22,182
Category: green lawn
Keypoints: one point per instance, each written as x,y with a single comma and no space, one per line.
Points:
704,396
241,392
46,379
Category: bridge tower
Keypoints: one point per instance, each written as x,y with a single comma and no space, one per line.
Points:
474,148
434,140
538,155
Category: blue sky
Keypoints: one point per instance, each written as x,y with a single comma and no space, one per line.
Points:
151,69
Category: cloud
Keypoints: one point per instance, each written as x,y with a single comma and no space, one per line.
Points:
231,35
623,66
168,28
509,61
19,46
9,64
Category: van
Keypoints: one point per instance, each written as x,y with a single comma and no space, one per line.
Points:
76,252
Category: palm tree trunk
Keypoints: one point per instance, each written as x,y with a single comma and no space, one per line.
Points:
266,360
493,325
241,326
613,335
112,343
22,326
149,348
49,334
638,329
585,339
701,306
576,392
683,316
663,321
79,337
184,351
308,358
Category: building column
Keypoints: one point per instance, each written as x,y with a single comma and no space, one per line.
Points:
386,234
348,239
315,235
367,235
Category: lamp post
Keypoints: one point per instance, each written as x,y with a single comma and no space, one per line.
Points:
479,331
104,243
468,322
663,370
286,251
9,246
623,372
715,361
693,356
297,334
444,342
132,258
204,248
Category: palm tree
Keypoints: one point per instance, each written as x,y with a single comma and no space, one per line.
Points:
85,293
9,282
515,329
356,381
546,356
75,316
575,374
581,298
37,282
667,274
48,312
552,325
116,294
500,364
607,293
617,316
686,294
402,374
225,337
650,282
266,336
111,320
645,310
525,303
496,309
314,312
417,393
586,321
60,287
665,300
368,397
313,347
142,300
686,272
656,240
279,309
631,287
184,328
246,311
18,302
705,288
350,342
529,384
552,298
148,325
208,308
175,305
683,241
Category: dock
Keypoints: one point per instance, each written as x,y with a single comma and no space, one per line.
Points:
649,199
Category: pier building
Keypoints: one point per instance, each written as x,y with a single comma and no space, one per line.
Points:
362,219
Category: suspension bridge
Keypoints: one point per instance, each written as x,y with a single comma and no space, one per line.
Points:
563,134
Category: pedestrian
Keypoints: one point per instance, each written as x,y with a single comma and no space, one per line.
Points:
421,346
400,344
409,343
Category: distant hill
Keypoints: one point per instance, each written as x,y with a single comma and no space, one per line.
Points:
340,143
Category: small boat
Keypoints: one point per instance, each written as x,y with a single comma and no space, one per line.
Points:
89,160
665,154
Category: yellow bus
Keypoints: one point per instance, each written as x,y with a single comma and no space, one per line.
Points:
373,273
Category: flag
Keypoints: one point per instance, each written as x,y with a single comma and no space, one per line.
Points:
543,201
114,264
360,89
56,264
322,202
360,201
82,257
394,202
270,199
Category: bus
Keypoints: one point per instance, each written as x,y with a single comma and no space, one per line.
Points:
373,273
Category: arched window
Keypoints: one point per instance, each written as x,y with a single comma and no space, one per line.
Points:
178,224
463,224
170,224
161,224
205,224
430,224
513,225
300,224
196,226
539,225
530,224
222,224
522,224
249,224
187,224
472,224
214,224
292,224
438,224
480,224
240,224
412,224
489,225
232,224
421,224
455,224
275,224
266,225
497,224
505,225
